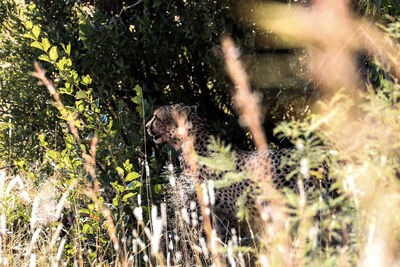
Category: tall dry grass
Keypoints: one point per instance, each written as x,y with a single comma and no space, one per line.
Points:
360,127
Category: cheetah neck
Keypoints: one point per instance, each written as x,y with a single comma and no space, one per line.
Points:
199,134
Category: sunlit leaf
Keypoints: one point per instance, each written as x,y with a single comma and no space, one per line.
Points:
84,211
28,35
37,45
52,154
133,185
67,49
115,202
120,171
80,95
125,197
28,24
53,53
127,165
86,80
131,176
87,229
44,58
36,31
46,44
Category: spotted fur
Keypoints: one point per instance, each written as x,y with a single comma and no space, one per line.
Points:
163,127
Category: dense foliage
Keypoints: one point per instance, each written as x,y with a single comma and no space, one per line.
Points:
113,63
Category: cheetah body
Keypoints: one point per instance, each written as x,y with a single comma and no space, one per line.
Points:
166,126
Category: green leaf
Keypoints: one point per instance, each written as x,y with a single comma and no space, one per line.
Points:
42,140
133,185
83,148
86,80
68,50
136,100
125,198
87,229
157,189
84,211
37,45
72,76
80,95
64,90
31,6
68,85
131,176
115,202
120,171
44,58
28,35
69,88
118,188
79,105
29,24
52,154
219,162
22,164
69,62
230,178
127,165
36,31
138,90
46,44
53,53
61,64
241,204
78,124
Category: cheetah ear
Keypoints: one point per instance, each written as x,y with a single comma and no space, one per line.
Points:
194,108
185,111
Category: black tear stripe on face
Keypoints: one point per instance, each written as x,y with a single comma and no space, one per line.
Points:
155,138
150,127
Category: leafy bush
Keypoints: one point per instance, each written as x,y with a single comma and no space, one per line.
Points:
81,183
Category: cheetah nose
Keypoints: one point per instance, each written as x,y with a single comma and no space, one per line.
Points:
148,129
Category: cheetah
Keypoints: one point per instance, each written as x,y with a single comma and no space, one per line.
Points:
166,127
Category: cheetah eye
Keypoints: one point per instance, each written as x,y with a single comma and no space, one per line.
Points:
157,119
157,123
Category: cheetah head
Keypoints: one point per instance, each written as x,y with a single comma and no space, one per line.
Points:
163,126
